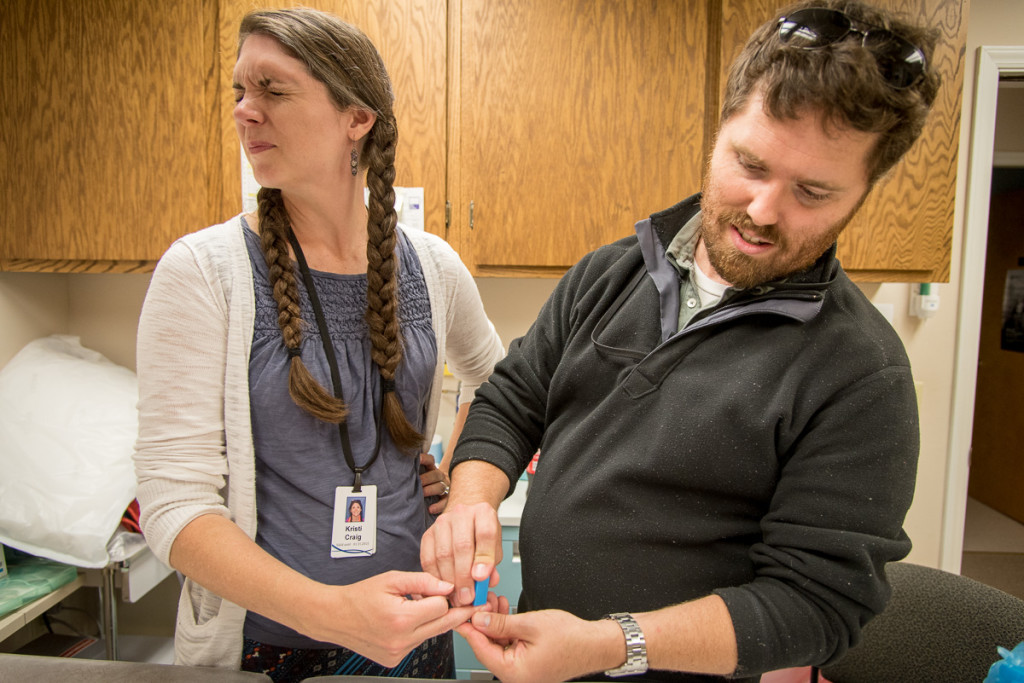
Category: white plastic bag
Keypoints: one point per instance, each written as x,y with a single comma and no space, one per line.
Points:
68,424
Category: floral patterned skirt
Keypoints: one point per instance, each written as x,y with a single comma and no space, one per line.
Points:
434,658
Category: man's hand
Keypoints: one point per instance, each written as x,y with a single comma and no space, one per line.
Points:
463,546
550,645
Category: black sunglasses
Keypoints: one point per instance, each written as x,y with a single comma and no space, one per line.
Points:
900,62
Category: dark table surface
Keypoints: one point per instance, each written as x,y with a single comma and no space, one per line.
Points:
31,668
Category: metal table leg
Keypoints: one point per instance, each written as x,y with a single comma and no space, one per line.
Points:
108,608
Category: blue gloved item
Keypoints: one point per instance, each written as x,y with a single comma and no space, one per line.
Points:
1009,669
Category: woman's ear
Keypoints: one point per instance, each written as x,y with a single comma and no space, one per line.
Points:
360,123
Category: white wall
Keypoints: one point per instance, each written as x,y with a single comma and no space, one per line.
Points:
103,309
1008,119
32,305
104,312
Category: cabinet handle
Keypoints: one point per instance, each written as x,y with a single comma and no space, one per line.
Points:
515,552
471,215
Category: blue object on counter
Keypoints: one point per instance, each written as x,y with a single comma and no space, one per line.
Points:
437,449
481,593
1009,669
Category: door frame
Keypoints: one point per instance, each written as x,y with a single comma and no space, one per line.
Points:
992,62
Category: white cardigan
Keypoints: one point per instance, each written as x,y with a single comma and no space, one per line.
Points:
194,454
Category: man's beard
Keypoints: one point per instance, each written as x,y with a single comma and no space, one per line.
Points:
744,271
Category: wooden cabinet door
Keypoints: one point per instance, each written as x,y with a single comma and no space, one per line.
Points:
117,129
105,115
904,231
573,120
411,37
560,124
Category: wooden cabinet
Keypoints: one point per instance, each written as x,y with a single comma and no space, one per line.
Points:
117,129
574,120
106,117
549,128
578,118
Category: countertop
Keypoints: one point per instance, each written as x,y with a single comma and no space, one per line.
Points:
511,509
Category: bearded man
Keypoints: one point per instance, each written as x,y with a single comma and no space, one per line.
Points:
728,427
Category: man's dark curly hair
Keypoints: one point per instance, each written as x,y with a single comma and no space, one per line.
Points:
842,81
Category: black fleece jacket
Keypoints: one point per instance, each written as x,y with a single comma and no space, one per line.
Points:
767,453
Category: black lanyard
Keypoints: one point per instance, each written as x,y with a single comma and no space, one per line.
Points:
332,362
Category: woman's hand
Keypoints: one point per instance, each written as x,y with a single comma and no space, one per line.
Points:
385,616
382,617
435,483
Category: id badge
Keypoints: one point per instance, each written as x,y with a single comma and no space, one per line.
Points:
355,522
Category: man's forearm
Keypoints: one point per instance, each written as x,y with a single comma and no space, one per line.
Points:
694,636
476,481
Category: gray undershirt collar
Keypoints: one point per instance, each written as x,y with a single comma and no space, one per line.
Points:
697,291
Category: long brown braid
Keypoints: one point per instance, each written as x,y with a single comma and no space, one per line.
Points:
382,273
274,225
343,58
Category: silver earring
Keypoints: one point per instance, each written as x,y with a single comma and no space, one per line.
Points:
354,158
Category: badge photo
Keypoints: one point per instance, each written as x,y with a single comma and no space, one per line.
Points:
354,533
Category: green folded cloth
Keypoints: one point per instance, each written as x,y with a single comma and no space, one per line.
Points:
30,578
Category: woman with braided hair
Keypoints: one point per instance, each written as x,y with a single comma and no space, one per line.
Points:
290,360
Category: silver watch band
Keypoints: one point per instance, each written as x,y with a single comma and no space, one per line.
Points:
636,646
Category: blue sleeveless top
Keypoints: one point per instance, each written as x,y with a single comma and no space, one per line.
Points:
299,459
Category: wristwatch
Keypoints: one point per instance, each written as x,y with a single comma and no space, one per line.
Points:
636,646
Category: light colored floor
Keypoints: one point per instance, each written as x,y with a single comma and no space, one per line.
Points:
993,549
989,531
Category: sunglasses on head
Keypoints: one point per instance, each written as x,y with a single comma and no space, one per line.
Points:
899,61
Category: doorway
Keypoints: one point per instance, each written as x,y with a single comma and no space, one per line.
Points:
994,63
996,475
